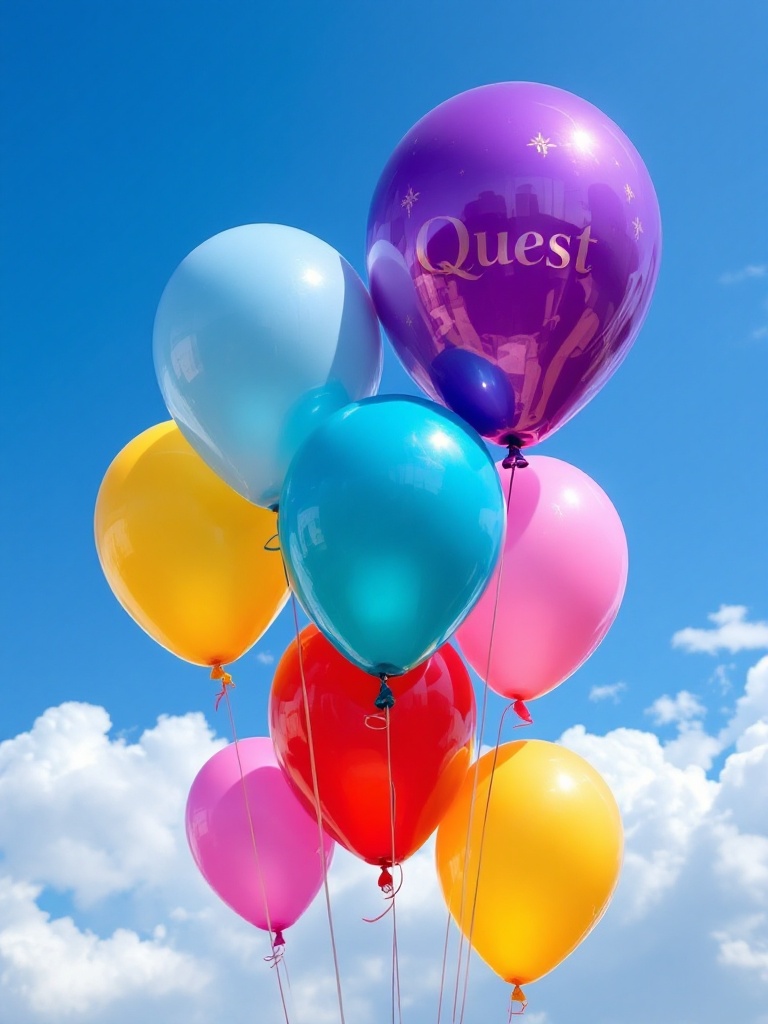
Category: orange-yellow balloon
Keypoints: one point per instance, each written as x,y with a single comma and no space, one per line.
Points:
184,553
550,858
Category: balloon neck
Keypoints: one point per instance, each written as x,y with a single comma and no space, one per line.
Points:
279,939
518,996
385,880
385,699
515,458
522,712
218,672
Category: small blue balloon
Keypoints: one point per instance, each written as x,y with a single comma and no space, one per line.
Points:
391,523
262,332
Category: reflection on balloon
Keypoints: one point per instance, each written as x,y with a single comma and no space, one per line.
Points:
183,553
391,522
516,223
253,842
262,332
431,731
552,844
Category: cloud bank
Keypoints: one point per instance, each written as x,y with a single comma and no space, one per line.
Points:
104,917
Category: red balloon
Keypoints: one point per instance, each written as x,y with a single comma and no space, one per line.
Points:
431,729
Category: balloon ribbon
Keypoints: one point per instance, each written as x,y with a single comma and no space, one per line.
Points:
217,672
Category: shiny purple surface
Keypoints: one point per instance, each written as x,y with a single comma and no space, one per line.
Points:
513,245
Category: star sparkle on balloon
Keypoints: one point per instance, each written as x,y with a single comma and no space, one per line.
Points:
409,199
542,145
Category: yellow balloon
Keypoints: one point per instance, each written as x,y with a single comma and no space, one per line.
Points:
550,860
184,553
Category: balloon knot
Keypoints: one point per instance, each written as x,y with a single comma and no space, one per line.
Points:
518,996
385,699
515,458
217,672
278,949
385,881
522,712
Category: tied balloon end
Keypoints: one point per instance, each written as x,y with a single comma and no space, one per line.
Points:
515,458
387,886
518,996
386,699
385,881
217,672
522,712
278,949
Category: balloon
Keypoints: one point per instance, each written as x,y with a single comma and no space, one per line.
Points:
183,553
514,241
563,575
262,332
270,876
391,522
550,861
431,730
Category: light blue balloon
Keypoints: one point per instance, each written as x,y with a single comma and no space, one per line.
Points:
261,333
391,523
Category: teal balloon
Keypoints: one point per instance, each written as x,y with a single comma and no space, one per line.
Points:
261,333
391,523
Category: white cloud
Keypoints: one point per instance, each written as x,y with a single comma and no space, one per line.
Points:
94,816
146,938
63,972
265,658
610,692
747,273
731,632
681,708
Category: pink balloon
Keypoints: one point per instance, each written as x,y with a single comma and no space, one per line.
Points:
281,871
564,571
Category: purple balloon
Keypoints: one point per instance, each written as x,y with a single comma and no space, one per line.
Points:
513,246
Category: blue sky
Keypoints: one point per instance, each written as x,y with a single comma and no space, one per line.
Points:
134,131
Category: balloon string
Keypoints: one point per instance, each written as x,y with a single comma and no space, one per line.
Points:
509,707
442,972
278,934
392,810
316,795
513,461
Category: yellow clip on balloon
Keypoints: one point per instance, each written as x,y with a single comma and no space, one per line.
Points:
551,857
185,554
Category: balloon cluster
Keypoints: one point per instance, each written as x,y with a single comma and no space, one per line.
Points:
513,246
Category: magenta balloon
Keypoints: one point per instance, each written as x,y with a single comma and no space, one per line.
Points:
564,571
513,246
284,872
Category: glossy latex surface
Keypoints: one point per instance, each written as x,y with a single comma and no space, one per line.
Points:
431,729
513,245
